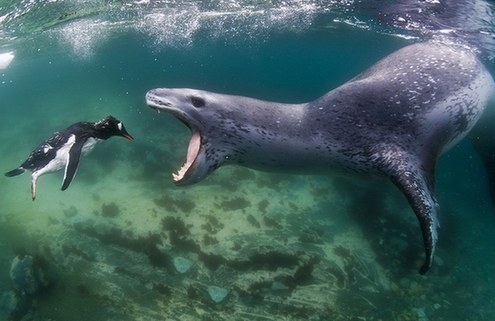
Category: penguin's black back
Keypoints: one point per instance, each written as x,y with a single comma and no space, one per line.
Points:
47,150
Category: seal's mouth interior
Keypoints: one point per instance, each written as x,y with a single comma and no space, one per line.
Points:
192,154
163,104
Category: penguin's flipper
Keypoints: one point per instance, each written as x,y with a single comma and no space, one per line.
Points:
15,172
72,163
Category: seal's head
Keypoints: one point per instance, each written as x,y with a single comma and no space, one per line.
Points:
193,108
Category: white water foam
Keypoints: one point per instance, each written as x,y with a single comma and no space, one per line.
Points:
171,26
83,36
175,25
5,59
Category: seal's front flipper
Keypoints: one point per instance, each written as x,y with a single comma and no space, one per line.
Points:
72,163
416,182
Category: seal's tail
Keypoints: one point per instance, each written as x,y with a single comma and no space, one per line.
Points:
15,172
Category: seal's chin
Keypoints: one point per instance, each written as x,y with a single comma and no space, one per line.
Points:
192,153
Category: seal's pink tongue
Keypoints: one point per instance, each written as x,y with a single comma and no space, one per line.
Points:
192,153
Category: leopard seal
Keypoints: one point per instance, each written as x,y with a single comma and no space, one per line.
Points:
393,120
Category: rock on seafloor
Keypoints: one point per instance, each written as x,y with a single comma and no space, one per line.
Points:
28,274
217,294
181,264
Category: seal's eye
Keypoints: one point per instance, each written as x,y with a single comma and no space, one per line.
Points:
197,101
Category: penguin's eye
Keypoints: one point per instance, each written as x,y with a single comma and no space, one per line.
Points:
197,101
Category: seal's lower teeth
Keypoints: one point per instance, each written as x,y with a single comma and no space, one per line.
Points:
177,176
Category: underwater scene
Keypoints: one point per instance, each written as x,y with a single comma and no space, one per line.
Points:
123,242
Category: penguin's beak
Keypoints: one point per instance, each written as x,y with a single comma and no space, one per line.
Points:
125,134
129,137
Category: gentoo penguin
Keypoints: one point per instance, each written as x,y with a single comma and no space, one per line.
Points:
63,149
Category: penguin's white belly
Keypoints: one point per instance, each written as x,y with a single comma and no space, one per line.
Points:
60,159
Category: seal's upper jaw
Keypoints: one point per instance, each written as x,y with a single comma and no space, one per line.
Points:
182,103
179,103
161,100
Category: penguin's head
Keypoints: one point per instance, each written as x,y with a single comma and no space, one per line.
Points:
111,126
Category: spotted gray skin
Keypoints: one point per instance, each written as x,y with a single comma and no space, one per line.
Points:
393,120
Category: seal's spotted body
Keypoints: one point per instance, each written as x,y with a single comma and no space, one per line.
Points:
393,120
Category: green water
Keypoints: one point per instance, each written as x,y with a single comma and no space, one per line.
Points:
282,247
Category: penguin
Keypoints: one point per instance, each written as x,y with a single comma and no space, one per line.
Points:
64,148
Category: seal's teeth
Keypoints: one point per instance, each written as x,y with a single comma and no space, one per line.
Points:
180,173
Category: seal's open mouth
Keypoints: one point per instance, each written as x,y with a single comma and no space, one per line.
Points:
192,154
160,104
